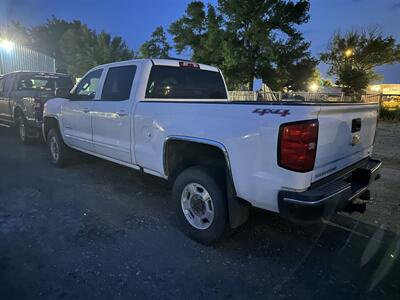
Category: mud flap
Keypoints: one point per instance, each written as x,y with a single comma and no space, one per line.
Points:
238,210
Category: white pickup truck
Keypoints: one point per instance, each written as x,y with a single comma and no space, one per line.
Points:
173,119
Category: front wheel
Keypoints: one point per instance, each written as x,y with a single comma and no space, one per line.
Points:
200,204
58,152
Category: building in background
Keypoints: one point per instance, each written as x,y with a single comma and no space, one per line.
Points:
389,95
385,89
19,58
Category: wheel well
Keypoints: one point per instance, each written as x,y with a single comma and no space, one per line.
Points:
180,155
48,123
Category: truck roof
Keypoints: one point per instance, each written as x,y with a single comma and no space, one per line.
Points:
37,73
161,62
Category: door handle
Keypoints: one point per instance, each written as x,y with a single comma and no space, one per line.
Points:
86,110
122,113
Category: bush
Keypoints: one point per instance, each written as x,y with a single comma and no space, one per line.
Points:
389,114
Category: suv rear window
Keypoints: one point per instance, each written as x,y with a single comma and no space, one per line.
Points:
44,83
168,82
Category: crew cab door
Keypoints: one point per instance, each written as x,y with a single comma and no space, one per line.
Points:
6,85
76,113
111,114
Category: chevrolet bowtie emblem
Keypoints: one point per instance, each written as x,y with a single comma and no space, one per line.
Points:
355,140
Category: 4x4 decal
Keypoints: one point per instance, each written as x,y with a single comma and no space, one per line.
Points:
263,111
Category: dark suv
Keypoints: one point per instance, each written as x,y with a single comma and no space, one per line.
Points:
23,95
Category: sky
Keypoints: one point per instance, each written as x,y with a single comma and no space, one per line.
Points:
135,20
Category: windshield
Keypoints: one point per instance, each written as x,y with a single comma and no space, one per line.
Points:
168,82
44,83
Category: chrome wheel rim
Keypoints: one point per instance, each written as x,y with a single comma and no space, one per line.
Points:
54,149
197,206
22,131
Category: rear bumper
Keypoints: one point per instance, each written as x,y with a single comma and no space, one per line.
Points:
330,194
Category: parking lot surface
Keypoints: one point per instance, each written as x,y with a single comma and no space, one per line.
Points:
96,230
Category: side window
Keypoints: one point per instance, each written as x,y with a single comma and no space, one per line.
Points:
87,87
118,83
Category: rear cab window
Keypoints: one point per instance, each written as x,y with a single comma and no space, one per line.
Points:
45,83
169,82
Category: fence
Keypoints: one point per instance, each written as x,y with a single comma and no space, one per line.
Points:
300,96
279,96
20,58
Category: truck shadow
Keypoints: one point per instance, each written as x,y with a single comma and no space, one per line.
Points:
343,253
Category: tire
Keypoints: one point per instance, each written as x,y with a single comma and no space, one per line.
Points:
22,129
203,218
58,152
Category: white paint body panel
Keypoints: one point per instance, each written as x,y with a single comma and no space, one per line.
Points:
249,139
111,125
77,123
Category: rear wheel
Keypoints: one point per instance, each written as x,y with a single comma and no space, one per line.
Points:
200,204
22,129
58,152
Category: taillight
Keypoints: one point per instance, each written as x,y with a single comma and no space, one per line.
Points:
297,145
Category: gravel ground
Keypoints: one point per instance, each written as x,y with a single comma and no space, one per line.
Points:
96,230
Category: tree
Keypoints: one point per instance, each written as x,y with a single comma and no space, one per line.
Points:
157,46
199,32
265,33
353,56
248,39
292,67
316,77
75,46
16,32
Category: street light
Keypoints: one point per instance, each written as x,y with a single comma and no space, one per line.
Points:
6,45
348,52
313,87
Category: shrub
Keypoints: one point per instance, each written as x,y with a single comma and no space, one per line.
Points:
389,114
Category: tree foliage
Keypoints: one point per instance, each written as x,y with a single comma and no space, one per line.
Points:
16,32
199,31
248,39
75,46
157,46
354,55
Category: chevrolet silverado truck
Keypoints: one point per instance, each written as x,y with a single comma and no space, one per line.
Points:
22,98
173,119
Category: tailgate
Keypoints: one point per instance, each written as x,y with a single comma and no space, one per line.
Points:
346,135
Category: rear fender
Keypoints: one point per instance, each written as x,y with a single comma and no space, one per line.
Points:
237,209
